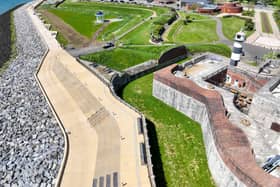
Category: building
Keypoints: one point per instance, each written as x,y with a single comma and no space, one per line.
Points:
187,3
231,7
208,9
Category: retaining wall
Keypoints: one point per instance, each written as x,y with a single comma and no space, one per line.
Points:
230,157
264,100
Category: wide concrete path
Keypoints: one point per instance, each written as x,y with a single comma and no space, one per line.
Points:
103,139
266,40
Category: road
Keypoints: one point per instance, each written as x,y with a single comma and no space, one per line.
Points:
251,51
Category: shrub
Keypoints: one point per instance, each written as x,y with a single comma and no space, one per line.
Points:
249,25
250,13
277,17
157,32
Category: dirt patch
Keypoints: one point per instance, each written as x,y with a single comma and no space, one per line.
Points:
72,36
5,38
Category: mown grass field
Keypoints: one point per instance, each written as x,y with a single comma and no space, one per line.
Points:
141,35
125,57
201,30
221,49
231,25
81,16
178,151
266,25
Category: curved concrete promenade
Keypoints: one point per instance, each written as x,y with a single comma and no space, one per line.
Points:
104,145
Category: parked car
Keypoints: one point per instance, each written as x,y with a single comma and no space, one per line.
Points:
108,45
271,163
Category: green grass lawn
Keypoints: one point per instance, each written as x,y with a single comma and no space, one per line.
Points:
266,26
231,25
125,57
181,154
193,16
194,32
221,49
141,35
81,16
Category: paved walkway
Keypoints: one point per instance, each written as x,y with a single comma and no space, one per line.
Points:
250,50
103,138
265,40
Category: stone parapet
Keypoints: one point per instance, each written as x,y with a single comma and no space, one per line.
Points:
230,157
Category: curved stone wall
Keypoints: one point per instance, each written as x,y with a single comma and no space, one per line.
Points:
230,157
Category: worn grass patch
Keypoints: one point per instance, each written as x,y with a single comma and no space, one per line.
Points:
181,158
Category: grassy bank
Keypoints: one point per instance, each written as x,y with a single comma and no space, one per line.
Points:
201,30
233,24
221,49
7,41
124,57
81,16
179,156
142,34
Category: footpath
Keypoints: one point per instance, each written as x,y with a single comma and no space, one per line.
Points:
103,142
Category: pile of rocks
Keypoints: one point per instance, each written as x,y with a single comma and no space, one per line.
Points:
31,141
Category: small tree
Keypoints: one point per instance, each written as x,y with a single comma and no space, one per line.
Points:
249,25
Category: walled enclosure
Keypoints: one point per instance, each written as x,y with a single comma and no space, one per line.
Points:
230,157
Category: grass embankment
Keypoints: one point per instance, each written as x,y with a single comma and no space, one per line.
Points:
7,41
178,151
233,24
221,49
276,16
125,57
201,29
142,34
266,26
81,16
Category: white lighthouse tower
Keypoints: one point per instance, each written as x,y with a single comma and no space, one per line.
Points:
237,50
99,17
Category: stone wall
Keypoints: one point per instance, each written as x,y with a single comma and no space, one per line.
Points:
265,101
198,112
230,157
32,144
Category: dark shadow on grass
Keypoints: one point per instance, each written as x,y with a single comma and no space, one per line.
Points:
156,156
